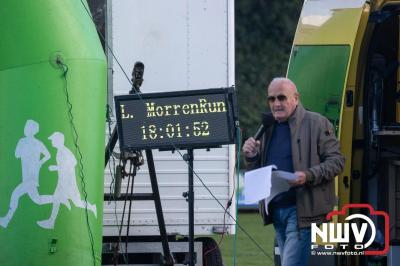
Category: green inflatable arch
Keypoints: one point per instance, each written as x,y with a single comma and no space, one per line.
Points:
52,118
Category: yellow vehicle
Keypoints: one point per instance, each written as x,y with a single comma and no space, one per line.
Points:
345,62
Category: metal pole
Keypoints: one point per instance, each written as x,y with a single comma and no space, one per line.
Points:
191,209
157,202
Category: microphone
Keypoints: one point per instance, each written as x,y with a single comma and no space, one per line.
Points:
137,77
267,121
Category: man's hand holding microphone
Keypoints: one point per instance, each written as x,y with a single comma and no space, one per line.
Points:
251,147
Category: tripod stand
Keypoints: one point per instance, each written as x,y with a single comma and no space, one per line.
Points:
135,159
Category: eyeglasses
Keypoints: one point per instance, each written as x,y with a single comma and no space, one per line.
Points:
280,98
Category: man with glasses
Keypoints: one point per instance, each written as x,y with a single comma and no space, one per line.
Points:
304,143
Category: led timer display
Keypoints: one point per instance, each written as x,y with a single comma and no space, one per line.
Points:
184,119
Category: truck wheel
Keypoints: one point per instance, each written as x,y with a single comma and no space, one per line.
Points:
211,252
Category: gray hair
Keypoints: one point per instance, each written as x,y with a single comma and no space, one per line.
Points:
279,80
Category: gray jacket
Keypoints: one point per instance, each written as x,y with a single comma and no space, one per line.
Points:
316,151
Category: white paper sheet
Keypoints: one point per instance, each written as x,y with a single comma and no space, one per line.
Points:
257,184
263,183
284,175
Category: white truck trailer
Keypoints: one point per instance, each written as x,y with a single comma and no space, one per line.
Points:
184,45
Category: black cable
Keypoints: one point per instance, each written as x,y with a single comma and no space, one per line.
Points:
130,204
109,124
205,186
123,212
64,69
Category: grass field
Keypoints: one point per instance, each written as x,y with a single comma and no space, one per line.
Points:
247,253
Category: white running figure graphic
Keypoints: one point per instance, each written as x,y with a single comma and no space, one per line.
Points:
67,188
30,150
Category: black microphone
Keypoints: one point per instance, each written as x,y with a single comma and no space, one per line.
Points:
267,121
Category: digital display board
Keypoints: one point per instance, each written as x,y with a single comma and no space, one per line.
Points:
176,120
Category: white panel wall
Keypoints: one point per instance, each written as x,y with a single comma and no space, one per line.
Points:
183,45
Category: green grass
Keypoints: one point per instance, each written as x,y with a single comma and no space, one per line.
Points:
247,253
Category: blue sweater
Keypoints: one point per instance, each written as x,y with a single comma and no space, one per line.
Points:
279,152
